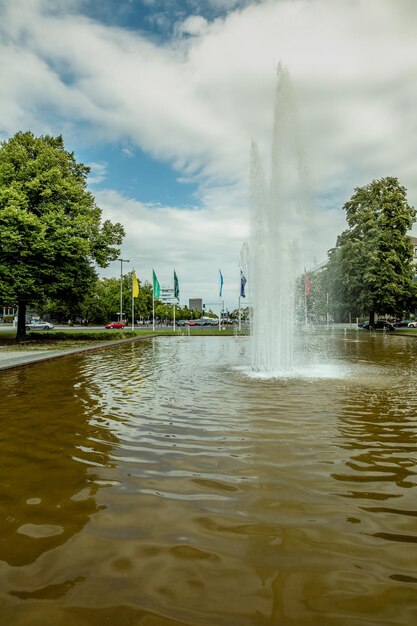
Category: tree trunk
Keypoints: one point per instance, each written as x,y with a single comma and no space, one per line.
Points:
371,318
21,321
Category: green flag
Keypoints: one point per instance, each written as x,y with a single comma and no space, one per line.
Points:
156,286
176,287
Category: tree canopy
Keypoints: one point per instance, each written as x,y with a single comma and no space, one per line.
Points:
52,235
370,269
101,304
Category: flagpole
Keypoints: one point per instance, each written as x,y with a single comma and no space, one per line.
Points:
156,291
240,318
176,293
174,315
153,299
133,299
221,301
153,311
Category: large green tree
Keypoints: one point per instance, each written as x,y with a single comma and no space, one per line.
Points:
370,269
52,235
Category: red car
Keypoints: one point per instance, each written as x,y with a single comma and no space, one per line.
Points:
191,323
115,325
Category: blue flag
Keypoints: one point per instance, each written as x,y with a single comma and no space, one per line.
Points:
221,284
242,285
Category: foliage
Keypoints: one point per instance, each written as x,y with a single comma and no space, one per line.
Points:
370,269
101,304
245,314
79,336
52,233
73,340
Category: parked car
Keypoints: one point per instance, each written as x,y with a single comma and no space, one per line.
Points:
379,325
405,324
115,325
39,325
191,323
211,321
181,322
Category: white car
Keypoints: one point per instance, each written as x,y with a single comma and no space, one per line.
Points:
39,326
406,324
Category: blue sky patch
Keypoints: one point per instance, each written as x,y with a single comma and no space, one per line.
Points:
135,174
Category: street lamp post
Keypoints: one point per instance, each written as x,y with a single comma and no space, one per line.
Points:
121,287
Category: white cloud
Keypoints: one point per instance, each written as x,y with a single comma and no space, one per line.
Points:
195,243
97,173
197,101
193,25
128,152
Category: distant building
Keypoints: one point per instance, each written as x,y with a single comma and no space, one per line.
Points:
9,311
196,304
167,295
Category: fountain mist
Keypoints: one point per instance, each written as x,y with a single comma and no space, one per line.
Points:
279,215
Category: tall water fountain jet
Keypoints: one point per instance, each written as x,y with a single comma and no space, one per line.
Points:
279,214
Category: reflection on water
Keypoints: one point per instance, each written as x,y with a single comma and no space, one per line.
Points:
156,483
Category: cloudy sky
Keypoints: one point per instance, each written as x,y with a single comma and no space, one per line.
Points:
162,99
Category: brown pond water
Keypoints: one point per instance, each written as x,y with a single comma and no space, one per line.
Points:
156,483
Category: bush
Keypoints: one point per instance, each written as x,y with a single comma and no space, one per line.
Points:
78,336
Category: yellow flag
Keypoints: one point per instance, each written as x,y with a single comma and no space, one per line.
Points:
135,286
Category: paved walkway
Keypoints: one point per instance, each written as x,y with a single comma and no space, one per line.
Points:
19,358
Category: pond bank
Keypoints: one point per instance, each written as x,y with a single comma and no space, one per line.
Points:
20,358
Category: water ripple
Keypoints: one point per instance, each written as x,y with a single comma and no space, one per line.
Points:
166,479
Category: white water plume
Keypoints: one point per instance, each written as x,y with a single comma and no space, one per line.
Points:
281,232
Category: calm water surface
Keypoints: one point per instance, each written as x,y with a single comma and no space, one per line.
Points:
156,483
